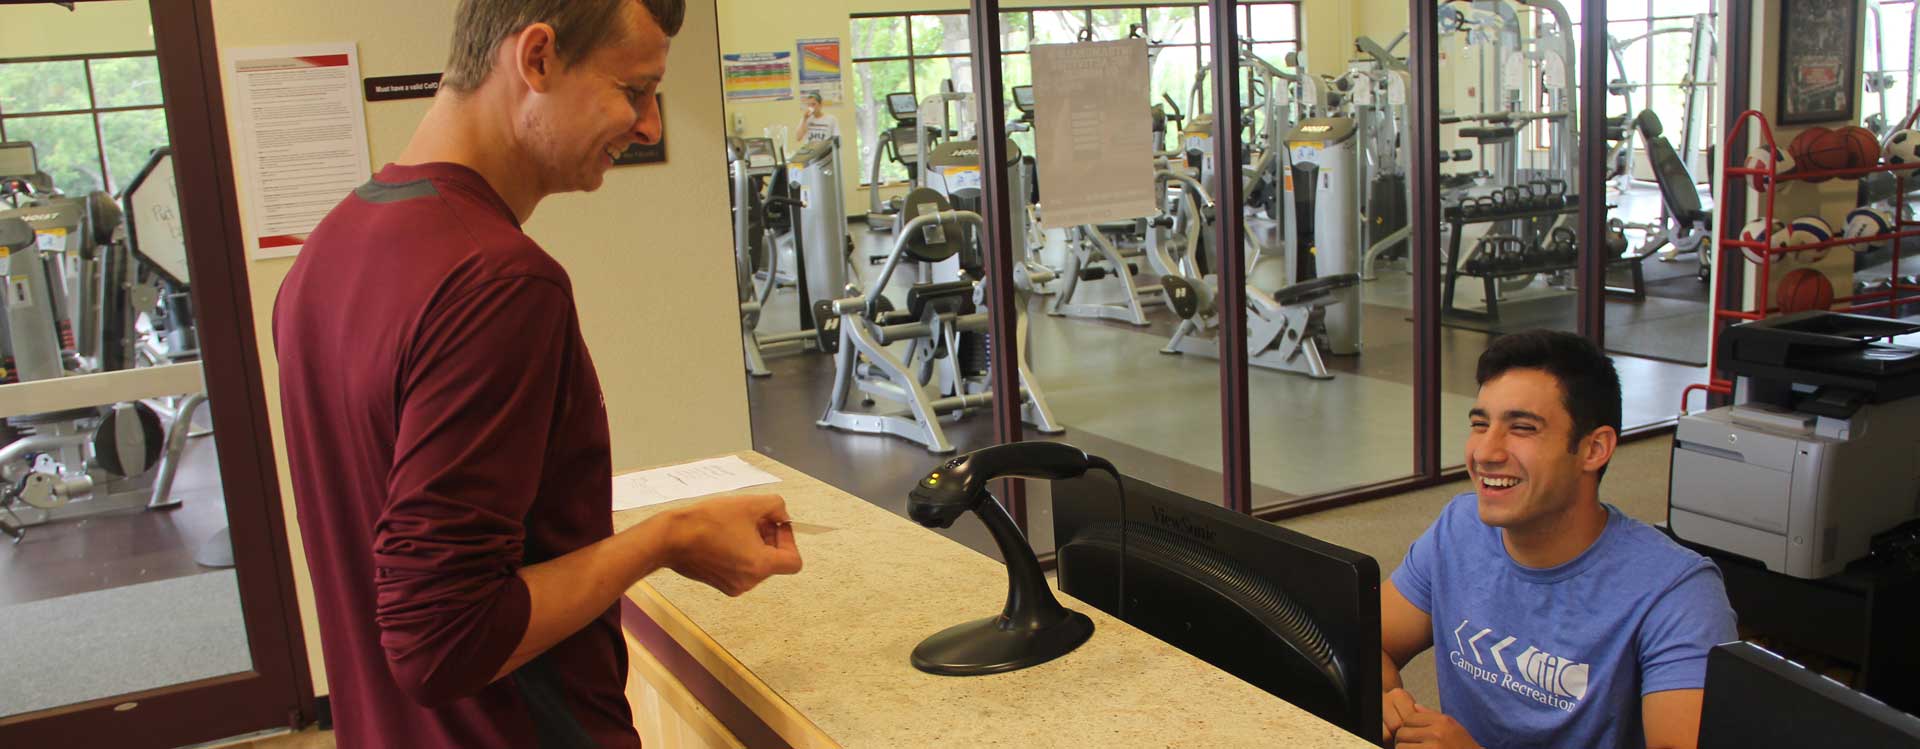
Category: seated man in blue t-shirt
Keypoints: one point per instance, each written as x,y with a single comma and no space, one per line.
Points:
1563,622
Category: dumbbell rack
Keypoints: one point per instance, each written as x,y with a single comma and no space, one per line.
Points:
1488,277
1730,243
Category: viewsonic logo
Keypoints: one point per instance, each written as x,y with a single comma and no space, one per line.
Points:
1181,524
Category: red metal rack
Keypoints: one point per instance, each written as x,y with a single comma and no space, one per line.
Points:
1730,244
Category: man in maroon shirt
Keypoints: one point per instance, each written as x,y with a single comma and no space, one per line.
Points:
446,432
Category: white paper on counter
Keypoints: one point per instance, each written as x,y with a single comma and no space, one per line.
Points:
1093,129
300,137
701,477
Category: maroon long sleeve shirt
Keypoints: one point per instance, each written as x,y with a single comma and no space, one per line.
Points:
444,428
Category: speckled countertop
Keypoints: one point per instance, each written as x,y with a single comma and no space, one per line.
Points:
832,644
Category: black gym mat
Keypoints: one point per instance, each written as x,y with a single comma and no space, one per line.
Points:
1670,330
1674,280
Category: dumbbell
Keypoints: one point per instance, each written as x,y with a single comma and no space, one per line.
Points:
1616,243
1516,198
1484,205
1496,203
1564,243
1544,198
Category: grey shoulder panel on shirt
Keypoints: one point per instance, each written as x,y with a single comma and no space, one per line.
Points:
375,191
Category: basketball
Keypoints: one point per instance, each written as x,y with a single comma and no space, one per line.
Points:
1804,231
1783,163
1803,141
1866,147
1805,289
1868,222
1757,231
1825,150
1902,147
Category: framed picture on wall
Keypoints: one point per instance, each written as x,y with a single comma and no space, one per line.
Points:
1818,76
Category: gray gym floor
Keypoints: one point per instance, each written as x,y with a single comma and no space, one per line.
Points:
1158,416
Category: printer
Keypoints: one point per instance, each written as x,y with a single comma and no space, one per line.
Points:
1819,452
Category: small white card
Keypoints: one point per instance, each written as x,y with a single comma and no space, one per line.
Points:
699,478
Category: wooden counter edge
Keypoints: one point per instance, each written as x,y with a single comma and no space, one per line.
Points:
746,706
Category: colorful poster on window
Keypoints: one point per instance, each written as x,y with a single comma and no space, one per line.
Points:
750,76
820,68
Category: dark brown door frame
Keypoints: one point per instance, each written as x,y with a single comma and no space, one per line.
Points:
279,689
1591,272
983,25
1229,236
1736,48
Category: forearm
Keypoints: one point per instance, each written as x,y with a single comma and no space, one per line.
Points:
567,592
1389,673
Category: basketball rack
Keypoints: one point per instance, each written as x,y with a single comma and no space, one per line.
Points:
1887,299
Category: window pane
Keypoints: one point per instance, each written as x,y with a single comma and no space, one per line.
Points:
1017,70
126,81
1635,55
128,138
1682,7
1057,26
1275,53
1271,23
930,75
1672,51
872,81
27,87
1173,72
1109,25
69,149
1171,25
934,35
1206,24
1015,30
879,37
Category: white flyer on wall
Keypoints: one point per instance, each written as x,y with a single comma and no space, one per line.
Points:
300,139
1093,130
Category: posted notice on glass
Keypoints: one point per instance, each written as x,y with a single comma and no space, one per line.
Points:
1093,130
301,132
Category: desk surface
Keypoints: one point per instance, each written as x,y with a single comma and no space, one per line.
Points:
821,657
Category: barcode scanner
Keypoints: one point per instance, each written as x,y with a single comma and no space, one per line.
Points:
1033,628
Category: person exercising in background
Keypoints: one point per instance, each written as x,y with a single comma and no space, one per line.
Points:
446,432
1564,622
815,124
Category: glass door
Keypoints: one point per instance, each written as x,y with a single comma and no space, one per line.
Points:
131,451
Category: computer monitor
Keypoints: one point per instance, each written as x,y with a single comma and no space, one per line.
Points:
1756,699
1023,98
17,160
1295,616
903,107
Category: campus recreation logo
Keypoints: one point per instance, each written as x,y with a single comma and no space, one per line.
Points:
1532,673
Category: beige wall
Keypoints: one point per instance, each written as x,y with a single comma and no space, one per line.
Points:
649,253
1832,199
43,29
774,25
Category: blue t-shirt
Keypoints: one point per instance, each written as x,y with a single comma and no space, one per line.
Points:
1560,657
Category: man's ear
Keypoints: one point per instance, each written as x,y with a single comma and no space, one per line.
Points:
1596,449
531,56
